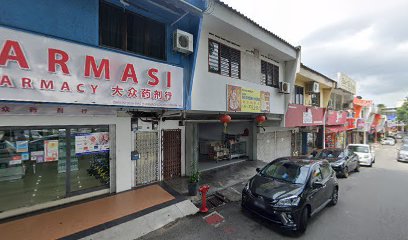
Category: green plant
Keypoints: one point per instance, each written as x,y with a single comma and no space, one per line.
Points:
195,174
195,177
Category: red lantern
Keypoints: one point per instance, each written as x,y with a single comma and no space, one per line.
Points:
260,119
225,119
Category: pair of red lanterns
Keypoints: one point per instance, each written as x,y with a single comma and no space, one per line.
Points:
225,119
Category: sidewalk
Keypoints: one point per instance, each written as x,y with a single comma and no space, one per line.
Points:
221,178
139,211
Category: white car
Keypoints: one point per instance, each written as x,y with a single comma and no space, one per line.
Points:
388,141
403,154
366,155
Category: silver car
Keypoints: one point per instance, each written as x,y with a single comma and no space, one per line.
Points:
403,154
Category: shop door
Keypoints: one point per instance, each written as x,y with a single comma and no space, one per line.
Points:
171,148
147,166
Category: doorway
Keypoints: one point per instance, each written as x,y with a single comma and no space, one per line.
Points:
171,149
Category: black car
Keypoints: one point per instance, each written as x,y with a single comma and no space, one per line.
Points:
288,191
341,160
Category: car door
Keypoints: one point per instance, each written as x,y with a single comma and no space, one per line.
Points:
317,195
327,175
352,159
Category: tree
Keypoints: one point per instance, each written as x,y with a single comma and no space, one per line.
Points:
380,108
402,113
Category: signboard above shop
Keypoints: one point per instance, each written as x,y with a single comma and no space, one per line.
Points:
35,68
346,83
241,99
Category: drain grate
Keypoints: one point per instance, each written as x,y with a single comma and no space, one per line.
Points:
216,200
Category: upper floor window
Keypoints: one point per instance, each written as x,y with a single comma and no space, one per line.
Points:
315,97
299,95
125,30
269,74
224,60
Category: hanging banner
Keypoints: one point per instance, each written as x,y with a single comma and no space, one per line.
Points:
51,150
35,68
247,100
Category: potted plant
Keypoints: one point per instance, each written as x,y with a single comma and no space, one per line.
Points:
193,180
193,183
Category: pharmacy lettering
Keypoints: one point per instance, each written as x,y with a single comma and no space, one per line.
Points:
39,69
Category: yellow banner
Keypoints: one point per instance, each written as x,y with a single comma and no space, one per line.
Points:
247,100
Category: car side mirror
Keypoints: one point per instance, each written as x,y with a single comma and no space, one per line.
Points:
258,169
316,185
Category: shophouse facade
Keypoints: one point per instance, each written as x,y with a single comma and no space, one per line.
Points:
84,89
307,110
340,122
243,71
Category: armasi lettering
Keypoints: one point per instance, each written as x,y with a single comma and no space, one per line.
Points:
58,61
11,51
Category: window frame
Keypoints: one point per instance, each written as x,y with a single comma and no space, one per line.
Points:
318,99
274,69
297,87
124,32
220,47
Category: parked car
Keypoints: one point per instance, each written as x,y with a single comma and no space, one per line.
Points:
365,153
288,191
403,154
388,141
398,136
341,160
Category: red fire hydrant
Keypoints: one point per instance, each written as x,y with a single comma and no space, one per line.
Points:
203,190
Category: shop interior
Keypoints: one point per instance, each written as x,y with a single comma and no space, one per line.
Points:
219,146
33,164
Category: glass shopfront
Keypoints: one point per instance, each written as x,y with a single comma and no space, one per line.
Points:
39,165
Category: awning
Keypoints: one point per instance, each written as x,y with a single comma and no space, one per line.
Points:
335,129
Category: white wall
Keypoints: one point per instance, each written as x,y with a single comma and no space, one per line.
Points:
209,89
123,138
172,124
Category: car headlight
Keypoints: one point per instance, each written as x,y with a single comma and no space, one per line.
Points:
288,201
246,188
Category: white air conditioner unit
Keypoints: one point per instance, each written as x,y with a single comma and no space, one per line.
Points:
313,87
284,87
182,42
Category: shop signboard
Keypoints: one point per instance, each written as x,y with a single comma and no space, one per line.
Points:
308,117
35,68
241,99
303,116
346,83
336,117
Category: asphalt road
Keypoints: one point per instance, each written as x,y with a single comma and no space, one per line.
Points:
373,204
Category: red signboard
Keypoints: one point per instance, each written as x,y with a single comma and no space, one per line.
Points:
362,102
301,116
336,117
350,123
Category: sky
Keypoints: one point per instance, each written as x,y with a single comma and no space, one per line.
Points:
365,39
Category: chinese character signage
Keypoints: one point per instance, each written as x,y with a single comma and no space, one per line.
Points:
40,69
247,100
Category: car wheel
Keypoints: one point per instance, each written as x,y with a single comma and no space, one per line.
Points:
345,172
334,197
357,168
304,217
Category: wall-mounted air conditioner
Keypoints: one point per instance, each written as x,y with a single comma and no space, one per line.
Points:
284,87
313,87
182,42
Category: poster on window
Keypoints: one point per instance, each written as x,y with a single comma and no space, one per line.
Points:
22,146
91,142
37,156
50,150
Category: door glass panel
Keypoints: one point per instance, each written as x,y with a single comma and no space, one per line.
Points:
89,158
30,167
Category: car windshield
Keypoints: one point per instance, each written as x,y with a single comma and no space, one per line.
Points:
287,171
404,148
327,153
360,149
